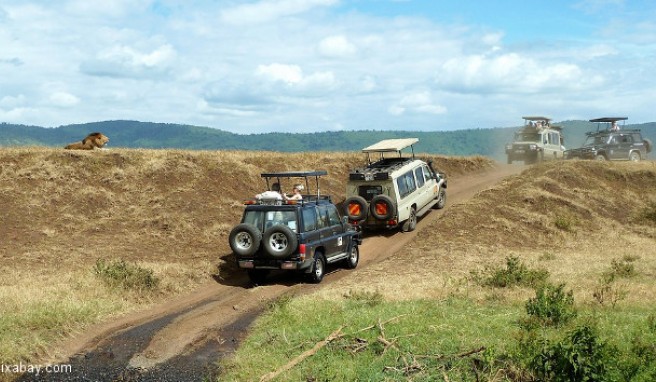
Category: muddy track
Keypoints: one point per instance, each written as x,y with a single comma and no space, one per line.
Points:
183,338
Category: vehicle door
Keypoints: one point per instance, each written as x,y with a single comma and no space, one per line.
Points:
624,145
311,235
424,189
337,228
547,150
330,229
614,150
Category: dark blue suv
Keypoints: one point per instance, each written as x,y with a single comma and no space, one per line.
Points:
303,235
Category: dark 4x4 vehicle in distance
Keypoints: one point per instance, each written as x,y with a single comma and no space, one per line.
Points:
303,235
610,142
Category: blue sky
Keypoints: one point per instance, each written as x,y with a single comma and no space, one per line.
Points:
326,65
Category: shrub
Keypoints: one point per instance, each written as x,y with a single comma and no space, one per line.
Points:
516,273
649,213
365,298
581,356
564,223
551,306
119,274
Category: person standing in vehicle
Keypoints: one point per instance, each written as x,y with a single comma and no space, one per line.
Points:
296,193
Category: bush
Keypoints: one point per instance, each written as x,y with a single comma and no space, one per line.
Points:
516,273
551,306
581,356
119,274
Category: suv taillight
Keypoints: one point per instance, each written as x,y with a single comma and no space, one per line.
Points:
301,251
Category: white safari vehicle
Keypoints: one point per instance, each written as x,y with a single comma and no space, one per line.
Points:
393,190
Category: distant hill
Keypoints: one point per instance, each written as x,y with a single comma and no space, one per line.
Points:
135,134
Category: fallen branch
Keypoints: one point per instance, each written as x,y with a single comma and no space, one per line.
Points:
333,336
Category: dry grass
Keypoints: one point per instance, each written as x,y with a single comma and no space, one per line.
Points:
570,218
165,210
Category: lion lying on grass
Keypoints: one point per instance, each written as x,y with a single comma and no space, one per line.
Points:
92,141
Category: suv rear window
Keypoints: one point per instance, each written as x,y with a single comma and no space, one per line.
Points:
368,192
266,219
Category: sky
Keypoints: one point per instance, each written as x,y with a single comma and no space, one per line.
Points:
326,65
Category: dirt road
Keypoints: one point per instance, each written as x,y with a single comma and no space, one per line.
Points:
185,337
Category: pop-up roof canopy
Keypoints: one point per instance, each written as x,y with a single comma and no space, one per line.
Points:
609,119
390,145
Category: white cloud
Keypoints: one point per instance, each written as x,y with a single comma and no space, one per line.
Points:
336,46
9,102
63,99
506,73
417,103
289,74
126,61
269,10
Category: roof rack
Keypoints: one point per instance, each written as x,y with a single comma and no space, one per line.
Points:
381,169
296,174
609,119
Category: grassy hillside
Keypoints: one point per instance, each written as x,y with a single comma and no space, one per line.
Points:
69,219
488,142
550,276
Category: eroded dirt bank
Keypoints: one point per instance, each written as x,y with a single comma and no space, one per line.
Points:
182,339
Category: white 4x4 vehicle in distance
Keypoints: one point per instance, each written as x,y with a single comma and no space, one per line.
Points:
394,190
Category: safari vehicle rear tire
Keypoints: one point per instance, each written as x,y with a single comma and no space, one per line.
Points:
354,257
384,213
279,241
600,157
318,269
634,156
648,144
361,203
245,239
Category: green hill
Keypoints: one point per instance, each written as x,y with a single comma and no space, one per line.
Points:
135,134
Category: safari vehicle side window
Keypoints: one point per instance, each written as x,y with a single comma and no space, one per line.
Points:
309,219
427,174
406,184
419,175
333,216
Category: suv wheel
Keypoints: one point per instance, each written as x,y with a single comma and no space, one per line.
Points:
442,199
382,207
245,239
257,276
634,156
318,268
279,241
353,258
600,157
411,223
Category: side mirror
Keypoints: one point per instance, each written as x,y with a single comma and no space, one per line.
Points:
345,220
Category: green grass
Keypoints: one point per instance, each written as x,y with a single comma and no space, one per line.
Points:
33,327
457,338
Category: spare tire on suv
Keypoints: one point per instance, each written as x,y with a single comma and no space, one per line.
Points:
245,239
279,241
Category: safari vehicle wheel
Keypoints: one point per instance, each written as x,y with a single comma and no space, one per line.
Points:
245,239
600,157
411,223
634,156
442,199
354,257
318,269
279,241
257,276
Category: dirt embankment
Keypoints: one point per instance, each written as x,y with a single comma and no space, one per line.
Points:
166,210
